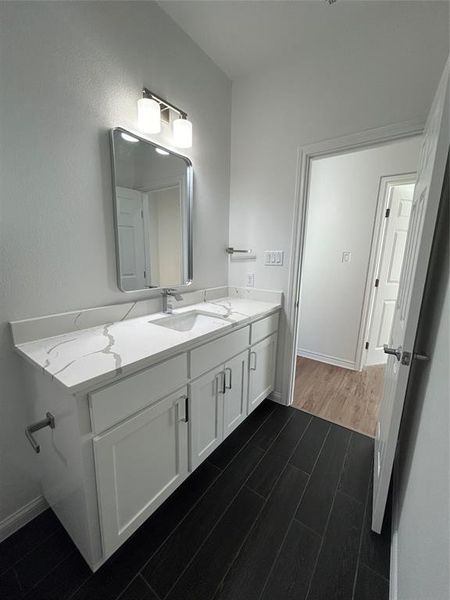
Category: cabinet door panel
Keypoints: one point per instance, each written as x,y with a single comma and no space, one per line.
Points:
138,465
261,371
235,398
206,402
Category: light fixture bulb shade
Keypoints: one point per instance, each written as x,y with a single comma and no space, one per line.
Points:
149,115
182,133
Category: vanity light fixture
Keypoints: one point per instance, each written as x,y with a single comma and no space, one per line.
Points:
152,109
162,152
149,115
182,132
128,138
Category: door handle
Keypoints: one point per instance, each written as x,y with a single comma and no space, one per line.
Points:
254,366
397,352
49,421
229,386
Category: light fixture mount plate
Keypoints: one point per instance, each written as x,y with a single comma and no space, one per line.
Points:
166,107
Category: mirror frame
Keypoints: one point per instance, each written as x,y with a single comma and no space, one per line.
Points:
189,205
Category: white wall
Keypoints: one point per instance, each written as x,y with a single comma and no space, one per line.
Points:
423,542
366,79
342,204
69,72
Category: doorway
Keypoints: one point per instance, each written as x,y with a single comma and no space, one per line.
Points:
358,206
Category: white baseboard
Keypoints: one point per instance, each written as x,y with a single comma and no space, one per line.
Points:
276,397
21,517
330,360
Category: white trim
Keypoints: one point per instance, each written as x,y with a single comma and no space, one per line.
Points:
393,574
21,517
276,397
387,182
330,360
370,137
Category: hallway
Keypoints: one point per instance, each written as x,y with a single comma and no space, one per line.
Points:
348,398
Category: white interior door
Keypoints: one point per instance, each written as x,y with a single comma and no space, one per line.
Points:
130,224
432,160
390,265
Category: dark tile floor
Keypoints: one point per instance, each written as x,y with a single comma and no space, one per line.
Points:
280,511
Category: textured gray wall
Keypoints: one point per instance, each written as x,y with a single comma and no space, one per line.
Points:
69,72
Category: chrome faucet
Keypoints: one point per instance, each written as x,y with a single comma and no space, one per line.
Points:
166,305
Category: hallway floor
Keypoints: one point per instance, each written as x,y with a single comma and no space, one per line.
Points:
348,398
280,511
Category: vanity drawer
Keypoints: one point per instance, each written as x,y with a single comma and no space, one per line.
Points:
264,327
210,355
120,400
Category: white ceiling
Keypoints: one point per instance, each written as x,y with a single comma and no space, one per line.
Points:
242,36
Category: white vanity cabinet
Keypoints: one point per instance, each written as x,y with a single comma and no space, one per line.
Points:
218,402
121,447
138,464
261,370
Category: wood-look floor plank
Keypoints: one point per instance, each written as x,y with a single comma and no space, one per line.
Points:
318,497
172,557
336,566
370,585
306,453
292,572
267,472
201,578
250,570
348,398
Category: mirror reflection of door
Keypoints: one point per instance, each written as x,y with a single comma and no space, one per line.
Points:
131,238
390,266
163,234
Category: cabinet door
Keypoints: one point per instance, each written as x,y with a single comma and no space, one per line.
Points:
261,371
206,420
138,465
236,392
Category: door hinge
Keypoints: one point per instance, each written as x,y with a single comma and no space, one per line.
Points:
142,214
367,345
377,282
186,409
387,213
145,274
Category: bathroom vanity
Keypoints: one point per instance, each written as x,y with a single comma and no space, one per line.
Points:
139,402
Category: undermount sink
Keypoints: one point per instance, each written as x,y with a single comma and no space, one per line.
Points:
190,321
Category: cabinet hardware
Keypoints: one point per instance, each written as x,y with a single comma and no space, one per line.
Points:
254,365
220,382
185,418
49,421
229,386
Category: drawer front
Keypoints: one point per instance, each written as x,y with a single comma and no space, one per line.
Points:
120,400
210,355
264,327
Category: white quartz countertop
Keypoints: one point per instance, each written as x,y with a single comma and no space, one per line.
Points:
87,358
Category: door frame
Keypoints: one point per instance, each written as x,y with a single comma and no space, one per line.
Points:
375,255
357,141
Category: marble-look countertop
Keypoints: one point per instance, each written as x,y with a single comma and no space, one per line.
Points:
85,359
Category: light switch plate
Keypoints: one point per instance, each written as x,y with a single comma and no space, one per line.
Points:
273,258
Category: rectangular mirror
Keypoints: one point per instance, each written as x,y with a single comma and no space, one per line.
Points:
152,213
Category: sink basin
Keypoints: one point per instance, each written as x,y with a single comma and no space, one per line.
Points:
194,320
